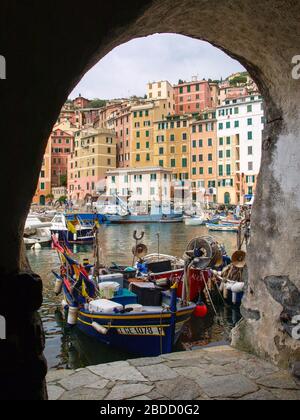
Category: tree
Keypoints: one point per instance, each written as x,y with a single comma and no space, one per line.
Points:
63,180
62,199
97,103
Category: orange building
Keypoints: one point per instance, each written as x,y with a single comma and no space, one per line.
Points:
44,184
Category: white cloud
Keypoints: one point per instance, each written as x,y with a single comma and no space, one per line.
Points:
127,69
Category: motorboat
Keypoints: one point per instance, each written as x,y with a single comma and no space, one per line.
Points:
71,228
36,232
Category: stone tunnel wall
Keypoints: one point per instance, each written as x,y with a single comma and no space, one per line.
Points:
49,49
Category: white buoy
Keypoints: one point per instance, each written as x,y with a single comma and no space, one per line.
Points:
64,304
99,328
37,247
58,286
72,315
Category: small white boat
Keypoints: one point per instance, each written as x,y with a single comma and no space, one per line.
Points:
36,232
194,221
222,228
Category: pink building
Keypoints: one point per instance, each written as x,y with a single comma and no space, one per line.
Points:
192,97
62,146
121,120
80,102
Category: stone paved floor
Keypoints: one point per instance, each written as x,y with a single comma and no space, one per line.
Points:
208,374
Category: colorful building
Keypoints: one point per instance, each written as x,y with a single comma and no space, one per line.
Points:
203,141
94,154
240,126
171,147
162,90
192,97
44,188
143,117
62,146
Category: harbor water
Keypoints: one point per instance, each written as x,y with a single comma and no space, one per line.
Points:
70,349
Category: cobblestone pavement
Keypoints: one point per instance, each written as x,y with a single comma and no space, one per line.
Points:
217,373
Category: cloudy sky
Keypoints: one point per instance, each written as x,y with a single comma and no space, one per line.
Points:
127,69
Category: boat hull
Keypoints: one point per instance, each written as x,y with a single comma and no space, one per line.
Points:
82,237
130,219
140,334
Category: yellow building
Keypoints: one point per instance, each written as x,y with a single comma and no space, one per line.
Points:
94,154
142,140
172,145
229,179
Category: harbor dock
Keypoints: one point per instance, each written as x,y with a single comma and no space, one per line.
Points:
212,373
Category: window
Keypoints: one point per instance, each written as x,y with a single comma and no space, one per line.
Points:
173,149
147,145
147,157
42,185
250,166
249,121
221,154
194,144
184,149
161,163
184,136
249,108
250,135
250,150
194,158
236,124
161,150
138,146
138,158
172,137
194,171
138,134
173,163
194,129
220,170
209,142
210,171
221,126
228,169
221,141
236,110
147,133
200,158
153,177
42,174
228,141
184,163
228,153
228,124
200,143
210,157
201,171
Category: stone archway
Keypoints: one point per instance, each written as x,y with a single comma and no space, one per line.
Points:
41,72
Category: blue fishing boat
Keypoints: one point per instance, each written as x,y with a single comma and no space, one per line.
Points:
136,327
73,229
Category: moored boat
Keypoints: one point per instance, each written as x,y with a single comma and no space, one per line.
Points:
222,227
72,229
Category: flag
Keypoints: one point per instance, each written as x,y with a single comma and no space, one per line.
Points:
71,228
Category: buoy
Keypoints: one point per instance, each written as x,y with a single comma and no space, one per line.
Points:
58,287
99,328
201,309
72,315
64,304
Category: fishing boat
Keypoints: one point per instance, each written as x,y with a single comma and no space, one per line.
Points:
222,227
72,229
135,327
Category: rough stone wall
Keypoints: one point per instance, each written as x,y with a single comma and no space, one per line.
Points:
46,57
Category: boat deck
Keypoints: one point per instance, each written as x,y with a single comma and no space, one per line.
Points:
208,374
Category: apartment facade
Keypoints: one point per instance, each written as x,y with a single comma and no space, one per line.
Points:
140,186
203,141
192,97
162,90
44,186
172,145
62,146
94,154
240,129
143,117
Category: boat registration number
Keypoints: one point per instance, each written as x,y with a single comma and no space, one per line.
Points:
152,331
